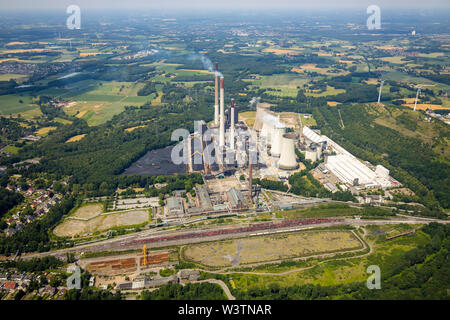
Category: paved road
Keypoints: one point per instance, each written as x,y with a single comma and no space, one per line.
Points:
220,283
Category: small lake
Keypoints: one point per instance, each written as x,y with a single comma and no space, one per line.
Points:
156,163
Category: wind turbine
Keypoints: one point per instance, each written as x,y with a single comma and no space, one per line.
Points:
379,94
417,96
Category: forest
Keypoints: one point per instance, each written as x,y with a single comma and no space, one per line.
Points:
190,291
8,199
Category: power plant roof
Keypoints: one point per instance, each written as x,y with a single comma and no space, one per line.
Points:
311,135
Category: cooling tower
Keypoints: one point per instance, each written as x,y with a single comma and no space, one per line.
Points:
222,115
216,96
288,160
276,141
260,112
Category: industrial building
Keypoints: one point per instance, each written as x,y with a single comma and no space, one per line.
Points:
175,208
353,172
236,199
203,199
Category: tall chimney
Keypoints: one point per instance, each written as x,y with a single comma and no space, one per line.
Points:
216,101
250,180
232,132
222,115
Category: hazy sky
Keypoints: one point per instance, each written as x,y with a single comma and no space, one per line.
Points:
215,4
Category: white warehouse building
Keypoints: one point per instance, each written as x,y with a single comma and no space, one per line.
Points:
349,169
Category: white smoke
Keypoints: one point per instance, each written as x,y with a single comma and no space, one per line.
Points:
272,120
254,101
207,64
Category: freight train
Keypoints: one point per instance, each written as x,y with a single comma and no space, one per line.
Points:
254,227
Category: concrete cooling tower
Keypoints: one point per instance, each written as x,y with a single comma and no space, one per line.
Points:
288,160
260,112
276,140
270,122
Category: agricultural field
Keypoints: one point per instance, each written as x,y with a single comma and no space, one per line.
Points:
260,249
76,138
248,117
45,131
11,104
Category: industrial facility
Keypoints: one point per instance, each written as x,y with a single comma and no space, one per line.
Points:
227,149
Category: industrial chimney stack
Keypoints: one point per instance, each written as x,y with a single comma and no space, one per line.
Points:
232,130
216,97
250,180
222,115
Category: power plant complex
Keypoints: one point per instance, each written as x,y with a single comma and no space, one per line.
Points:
270,149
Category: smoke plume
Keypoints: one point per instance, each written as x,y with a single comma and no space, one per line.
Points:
207,64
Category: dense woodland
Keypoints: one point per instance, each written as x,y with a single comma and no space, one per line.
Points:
8,199
190,291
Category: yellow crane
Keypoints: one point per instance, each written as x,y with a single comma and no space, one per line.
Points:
144,252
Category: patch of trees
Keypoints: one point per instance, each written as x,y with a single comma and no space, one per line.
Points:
91,294
7,86
148,89
8,200
271,184
191,291
35,264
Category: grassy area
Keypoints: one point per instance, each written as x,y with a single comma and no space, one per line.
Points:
320,211
248,117
44,131
76,138
329,92
9,76
337,271
268,248
11,149
11,104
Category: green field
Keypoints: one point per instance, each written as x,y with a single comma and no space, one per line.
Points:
10,104
11,149
9,76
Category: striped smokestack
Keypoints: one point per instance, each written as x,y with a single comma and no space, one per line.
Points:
232,132
216,100
222,115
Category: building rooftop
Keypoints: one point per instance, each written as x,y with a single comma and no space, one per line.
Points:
236,198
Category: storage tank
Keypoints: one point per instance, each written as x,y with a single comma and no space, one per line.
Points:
288,160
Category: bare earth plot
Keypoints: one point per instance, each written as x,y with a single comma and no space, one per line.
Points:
88,221
89,211
269,248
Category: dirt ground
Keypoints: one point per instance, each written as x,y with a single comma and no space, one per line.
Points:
88,211
70,227
268,248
